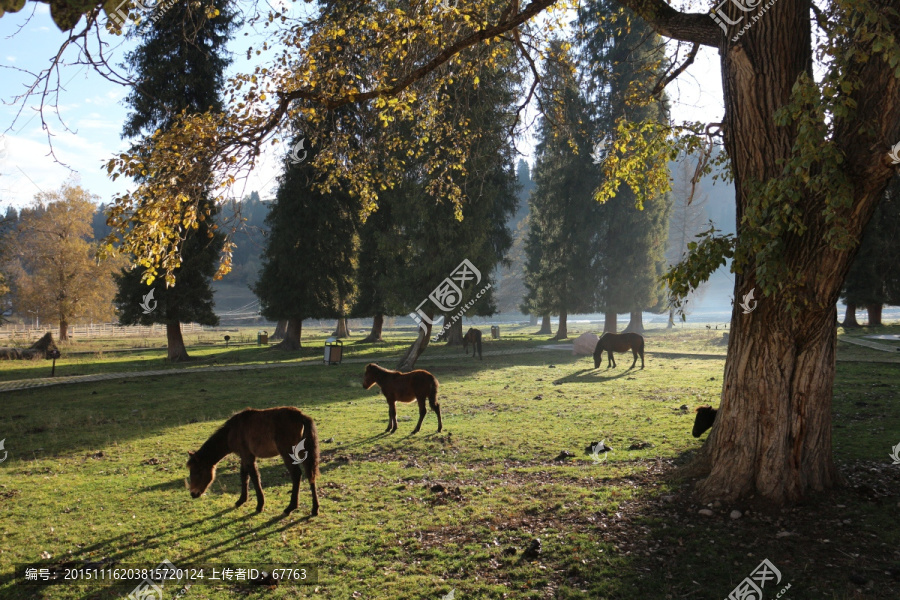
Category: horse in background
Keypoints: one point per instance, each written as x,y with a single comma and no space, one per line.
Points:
252,434
619,342
404,387
473,336
706,416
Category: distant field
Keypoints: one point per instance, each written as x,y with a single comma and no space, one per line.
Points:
96,471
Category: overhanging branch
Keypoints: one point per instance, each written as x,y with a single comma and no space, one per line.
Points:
696,28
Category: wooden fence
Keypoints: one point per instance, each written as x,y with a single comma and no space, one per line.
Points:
97,330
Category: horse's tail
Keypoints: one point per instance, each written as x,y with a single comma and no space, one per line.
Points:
311,436
432,393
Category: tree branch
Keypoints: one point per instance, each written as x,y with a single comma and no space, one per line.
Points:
696,28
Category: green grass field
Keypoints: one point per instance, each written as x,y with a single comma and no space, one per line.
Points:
96,471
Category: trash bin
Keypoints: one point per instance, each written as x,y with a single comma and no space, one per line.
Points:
495,332
262,338
334,351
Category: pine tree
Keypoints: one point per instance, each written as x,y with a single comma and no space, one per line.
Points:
623,60
564,234
308,261
874,277
179,64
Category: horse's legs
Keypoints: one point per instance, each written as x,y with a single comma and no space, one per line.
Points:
254,477
436,407
245,482
392,417
311,475
612,359
422,411
642,358
296,474
634,362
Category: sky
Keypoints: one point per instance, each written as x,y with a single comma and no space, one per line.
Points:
39,154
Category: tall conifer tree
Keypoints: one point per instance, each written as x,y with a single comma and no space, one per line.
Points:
179,66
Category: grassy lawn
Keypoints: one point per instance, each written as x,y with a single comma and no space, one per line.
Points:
96,471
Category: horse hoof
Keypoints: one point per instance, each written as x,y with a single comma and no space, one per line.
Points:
259,509
314,513
239,503
289,510
414,432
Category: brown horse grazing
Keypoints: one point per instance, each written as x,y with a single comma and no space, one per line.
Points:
619,342
706,416
473,336
404,387
254,433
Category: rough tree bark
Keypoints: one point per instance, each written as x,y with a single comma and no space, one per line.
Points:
408,362
874,311
610,322
63,331
562,331
772,434
341,330
280,328
636,324
375,334
292,333
175,343
455,334
850,317
545,329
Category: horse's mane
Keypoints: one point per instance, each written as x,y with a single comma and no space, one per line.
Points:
380,368
216,442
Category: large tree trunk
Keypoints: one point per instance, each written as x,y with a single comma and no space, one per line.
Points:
292,333
610,322
455,334
636,324
63,331
850,317
341,330
874,311
545,329
280,329
562,331
175,342
408,362
375,334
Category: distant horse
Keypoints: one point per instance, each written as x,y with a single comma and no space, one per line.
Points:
38,349
254,433
473,336
404,387
619,342
706,416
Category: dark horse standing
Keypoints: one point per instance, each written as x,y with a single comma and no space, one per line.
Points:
473,336
252,433
619,342
404,387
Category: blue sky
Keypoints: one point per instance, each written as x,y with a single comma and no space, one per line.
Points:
86,132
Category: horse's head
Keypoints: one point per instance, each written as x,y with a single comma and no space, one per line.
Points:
706,416
201,475
369,376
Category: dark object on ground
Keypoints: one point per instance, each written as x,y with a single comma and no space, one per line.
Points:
473,336
706,416
619,342
533,550
511,551
564,455
438,488
284,431
599,446
39,349
404,387
640,445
